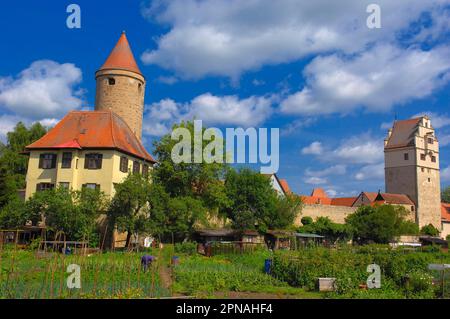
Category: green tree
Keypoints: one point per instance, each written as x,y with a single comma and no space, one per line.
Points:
446,195
306,220
13,215
128,210
379,224
255,204
13,164
173,217
429,230
201,181
325,227
76,213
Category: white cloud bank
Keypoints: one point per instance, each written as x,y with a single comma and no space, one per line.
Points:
375,80
229,37
46,89
213,110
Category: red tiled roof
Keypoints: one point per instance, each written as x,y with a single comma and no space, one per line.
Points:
403,133
319,192
121,57
285,186
343,201
445,212
387,198
399,199
371,196
91,130
314,200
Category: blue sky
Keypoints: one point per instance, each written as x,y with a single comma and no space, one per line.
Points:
311,68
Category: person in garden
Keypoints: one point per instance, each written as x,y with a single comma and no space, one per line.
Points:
146,261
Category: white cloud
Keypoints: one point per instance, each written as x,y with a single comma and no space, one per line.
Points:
376,80
45,89
437,120
333,170
315,180
445,174
444,140
371,172
211,109
362,149
7,124
169,80
315,148
228,37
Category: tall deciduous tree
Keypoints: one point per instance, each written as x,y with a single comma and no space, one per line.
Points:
380,224
255,204
13,164
129,207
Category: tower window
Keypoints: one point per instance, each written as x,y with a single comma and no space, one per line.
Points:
430,140
429,180
406,156
111,81
433,159
423,157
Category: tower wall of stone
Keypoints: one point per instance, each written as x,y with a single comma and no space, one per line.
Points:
122,92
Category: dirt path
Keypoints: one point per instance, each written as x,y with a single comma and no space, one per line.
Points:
165,277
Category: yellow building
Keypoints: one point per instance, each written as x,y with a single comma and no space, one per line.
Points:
96,149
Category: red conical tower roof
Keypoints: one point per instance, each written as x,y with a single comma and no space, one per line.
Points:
121,57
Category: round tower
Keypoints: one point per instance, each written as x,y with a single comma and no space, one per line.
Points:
121,86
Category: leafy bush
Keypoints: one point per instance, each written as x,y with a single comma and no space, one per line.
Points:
429,230
306,220
188,248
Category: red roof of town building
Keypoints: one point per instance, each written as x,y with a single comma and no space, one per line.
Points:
121,57
92,130
445,212
387,198
319,192
403,133
343,201
285,186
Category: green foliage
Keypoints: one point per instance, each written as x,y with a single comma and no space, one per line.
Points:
404,273
13,165
188,248
128,209
73,212
325,227
13,214
379,224
445,196
306,220
200,181
255,204
429,230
